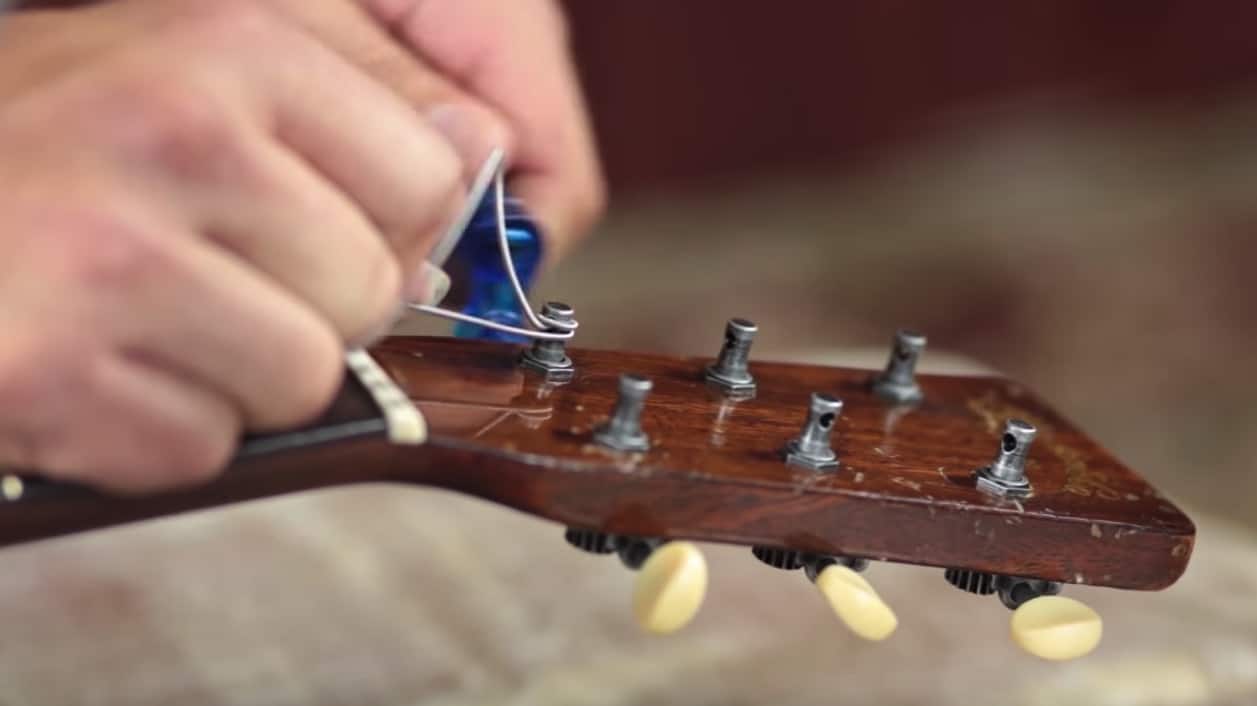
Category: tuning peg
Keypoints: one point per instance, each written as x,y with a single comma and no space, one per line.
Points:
849,594
671,580
549,356
853,600
1006,476
811,449
1056,627
1044,624
730,372
898,382
623,431
670,587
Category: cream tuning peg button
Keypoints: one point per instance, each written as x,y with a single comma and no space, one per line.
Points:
670,587
1056,627
856,603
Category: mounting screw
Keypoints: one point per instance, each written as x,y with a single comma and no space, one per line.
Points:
898,382
811,449
549,357
623,431
730,372
1007,473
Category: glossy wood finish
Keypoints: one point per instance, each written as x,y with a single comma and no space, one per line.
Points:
905,490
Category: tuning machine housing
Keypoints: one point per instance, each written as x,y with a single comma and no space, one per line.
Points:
633,551
812,564
671,579
1013,591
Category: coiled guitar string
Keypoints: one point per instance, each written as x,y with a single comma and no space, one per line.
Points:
542,327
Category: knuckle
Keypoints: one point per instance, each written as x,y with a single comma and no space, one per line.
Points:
101,254
196,455
379,296
310,382
171,124
593,203
555,19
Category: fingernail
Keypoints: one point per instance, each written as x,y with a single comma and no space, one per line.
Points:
429,286
472,131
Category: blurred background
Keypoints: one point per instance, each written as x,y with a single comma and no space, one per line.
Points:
1065,192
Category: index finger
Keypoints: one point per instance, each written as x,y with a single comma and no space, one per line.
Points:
514,56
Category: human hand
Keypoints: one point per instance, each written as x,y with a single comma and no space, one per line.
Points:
490,73
200,204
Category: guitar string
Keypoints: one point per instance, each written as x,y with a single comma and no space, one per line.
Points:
543,327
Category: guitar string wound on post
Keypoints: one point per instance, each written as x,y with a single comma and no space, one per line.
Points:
539,326
549,356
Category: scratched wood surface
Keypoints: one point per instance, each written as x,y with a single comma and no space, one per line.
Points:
904,492
391,595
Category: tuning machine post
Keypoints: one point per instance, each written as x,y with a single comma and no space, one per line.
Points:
623,429
839,580
730,372
811,448
549,356
671,579
1006,476
897,383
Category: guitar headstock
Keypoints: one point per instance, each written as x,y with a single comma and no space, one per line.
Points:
817,468
807,466
905,486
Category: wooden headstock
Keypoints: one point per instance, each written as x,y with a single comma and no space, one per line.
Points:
905,489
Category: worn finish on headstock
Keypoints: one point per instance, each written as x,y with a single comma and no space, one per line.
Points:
905,489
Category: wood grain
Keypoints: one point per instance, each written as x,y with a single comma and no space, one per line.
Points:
904,492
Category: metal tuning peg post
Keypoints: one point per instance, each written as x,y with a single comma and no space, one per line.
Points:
730,371
811,449
549,356
671,577
897,383
1006,476
849,595
623,430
